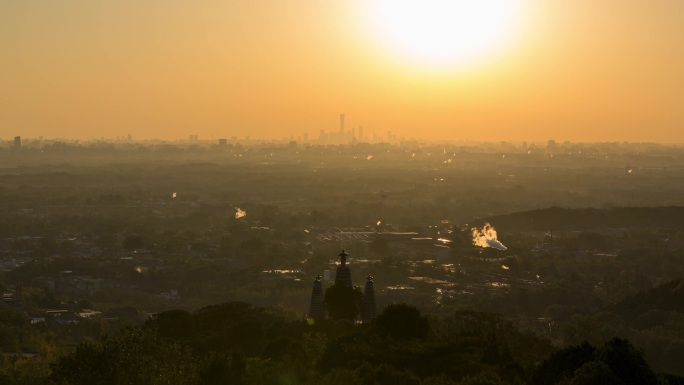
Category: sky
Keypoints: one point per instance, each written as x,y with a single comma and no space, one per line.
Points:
578,70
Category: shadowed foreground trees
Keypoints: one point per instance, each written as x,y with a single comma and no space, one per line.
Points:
238,344
616,362
137,356
402,322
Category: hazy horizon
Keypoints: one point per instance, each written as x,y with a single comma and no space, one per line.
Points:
9,140
577,71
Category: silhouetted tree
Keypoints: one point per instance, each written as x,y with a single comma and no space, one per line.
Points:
137,356
627,363
402,322
562,364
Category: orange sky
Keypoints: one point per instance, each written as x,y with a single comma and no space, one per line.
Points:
580,70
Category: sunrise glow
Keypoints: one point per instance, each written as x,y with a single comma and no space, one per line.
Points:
442,32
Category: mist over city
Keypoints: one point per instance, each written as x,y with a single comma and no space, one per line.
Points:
347,192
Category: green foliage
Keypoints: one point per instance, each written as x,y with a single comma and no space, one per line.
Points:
284,348
176,324
562,364
385,374
484,378
402,322
219,369
38,297
237,343
12,325
595,373
268,372
234,326
314,344
666,297
672,357
438,380
627,363
616,362
137,356
24,371
341,377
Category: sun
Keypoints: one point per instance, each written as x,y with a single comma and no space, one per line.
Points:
444,32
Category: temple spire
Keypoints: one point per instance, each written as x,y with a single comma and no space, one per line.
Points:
368,310
343,274
343,257
317,306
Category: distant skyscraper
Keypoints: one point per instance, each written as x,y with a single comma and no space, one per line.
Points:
17,141
223,142
342,123
360,133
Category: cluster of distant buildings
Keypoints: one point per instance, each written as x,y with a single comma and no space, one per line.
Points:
344,136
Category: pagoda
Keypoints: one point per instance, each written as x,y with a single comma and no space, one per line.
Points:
342,302
368,312
343,274
317,306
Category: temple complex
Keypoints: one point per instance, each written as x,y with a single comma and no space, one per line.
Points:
343,278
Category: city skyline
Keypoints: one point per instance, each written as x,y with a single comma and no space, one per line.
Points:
576,71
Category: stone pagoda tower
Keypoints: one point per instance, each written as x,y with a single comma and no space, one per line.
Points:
345,301
317,306
343,274
368,312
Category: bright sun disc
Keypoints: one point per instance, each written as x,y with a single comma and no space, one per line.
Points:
444,32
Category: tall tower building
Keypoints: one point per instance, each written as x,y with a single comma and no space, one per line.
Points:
317,306
343,274
368,309
342,124
17,142
360,133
